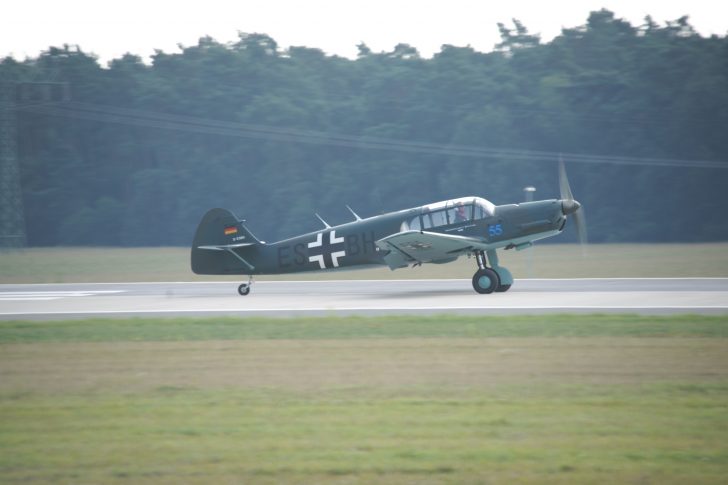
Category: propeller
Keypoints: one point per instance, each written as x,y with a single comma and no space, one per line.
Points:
571,206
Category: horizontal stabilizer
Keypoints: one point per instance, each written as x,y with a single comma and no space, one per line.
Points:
225,247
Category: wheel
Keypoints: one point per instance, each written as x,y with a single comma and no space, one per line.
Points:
244,289
485,281
502,288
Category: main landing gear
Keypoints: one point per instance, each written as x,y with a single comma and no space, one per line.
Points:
244,288
487,280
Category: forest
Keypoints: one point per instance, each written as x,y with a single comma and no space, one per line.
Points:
133,153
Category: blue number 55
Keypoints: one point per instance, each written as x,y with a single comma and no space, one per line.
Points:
495,229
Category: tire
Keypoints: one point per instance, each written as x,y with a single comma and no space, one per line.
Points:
502,288
244,289
485,281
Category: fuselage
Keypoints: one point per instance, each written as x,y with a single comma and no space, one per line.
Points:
354,243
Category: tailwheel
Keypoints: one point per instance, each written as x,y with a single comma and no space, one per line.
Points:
486,281
502,288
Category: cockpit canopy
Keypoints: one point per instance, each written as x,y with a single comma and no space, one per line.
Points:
454,211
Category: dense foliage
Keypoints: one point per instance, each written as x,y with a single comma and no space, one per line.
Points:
140,151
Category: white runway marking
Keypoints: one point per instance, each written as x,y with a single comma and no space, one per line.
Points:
50,295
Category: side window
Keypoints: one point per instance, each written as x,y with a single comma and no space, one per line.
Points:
434,219
461,213
479,212
439,218
414,224
427,220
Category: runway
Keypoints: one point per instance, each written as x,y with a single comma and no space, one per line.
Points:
363,297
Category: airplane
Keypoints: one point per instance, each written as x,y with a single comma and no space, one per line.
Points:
436,233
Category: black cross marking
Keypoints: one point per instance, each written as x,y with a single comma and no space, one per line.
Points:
328,257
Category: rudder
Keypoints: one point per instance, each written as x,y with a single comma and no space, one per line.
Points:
223,245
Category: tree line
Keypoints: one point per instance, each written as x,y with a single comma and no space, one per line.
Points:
140,151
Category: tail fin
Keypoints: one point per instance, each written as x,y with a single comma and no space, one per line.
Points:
220,245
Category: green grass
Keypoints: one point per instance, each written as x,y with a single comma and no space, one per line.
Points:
521,399
655,434
355,327
66,265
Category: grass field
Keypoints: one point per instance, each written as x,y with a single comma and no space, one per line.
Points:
59,265
552,399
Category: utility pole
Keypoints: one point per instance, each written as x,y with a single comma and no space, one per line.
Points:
12,97
528,195
528,192
12,219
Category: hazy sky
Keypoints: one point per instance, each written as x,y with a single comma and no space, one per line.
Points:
110,28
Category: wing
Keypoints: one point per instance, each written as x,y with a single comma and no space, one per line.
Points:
425,247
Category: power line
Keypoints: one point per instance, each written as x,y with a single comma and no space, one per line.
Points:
136,117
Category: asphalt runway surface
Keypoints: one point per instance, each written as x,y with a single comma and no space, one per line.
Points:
363,297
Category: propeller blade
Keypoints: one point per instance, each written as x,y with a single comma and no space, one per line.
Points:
580,223
570,205
564,182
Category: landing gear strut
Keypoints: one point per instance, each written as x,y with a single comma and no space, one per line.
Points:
244,288
487,280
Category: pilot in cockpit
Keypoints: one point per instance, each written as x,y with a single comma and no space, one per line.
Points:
460,214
